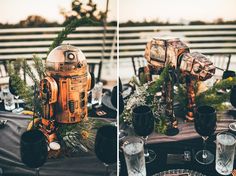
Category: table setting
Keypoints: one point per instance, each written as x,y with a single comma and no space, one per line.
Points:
175,123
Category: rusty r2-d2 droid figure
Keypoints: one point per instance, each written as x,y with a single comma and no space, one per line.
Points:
64,89
163,52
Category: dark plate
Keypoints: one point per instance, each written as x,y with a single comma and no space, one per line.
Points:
106,101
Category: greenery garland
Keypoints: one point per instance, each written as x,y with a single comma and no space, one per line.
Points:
211,96
147,96
145,93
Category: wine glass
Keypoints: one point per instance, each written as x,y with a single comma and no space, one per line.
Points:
233,96
93,81
205,125
33,149
143,123
14,92
106,145
8,98
97,94
228,73
114,99
233,102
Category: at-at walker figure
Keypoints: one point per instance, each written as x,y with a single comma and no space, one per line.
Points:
174,53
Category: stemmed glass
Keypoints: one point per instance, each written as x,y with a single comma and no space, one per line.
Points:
114,99
205,125
233,96
93,81
233,102
33,149
143,123
8,99
106,145
228,73
97,94
14,92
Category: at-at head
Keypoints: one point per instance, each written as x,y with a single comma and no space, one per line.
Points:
197,65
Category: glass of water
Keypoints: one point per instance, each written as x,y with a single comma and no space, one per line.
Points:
225,149
8,98
97,93
134,156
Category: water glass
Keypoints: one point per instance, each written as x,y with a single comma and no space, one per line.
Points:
134,156
8,98
97,93
225,149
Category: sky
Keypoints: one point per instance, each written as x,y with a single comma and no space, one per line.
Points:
177,10
12,11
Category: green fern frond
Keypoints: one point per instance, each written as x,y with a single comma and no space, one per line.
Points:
39,66
69,29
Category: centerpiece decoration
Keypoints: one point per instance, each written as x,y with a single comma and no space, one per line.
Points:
64,90
172,60
59,97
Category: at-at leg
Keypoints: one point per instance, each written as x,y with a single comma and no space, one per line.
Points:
191,99
168,90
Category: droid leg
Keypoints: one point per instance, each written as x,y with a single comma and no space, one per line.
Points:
191,99
48,94
48,126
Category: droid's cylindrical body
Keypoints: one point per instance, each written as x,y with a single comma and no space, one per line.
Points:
67,66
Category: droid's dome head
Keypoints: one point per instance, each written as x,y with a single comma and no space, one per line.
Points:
66,58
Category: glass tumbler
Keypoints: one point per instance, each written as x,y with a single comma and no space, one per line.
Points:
225,149
134,156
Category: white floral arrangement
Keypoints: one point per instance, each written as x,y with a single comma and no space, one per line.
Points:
136,99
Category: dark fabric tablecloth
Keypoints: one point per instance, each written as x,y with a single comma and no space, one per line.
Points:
85,164
186,140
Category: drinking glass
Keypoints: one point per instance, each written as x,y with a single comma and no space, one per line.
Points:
114,99
33,149
233,96
134,156
228,73
93,80
106,145
225,149
14,92
8,98
143,123
122,166
1,98
205,125
97,93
